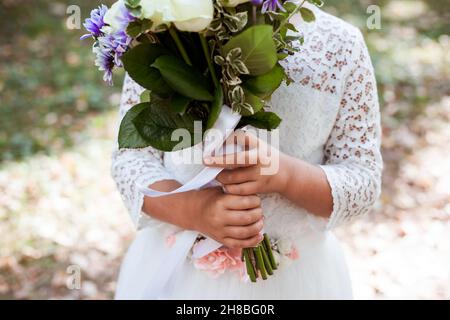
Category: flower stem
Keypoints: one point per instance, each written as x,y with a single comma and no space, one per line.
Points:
269,252
267,262
289,17
207,53
173,32
249,264
260,262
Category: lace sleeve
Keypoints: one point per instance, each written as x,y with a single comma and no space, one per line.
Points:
353,159
134,167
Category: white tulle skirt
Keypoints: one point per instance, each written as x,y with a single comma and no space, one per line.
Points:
319,273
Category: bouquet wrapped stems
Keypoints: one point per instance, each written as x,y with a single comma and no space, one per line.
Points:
260,261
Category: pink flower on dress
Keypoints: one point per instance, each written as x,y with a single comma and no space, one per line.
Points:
170,240
293,255
221,260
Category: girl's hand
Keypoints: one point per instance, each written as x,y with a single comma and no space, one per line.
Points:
263,169
233,220
259,169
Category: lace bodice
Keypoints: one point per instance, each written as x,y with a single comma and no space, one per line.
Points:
330,118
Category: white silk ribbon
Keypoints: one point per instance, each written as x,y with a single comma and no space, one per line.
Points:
175,256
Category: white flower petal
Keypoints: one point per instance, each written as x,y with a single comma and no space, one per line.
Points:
193,16
112,17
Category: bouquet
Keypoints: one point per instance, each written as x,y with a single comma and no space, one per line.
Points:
194,58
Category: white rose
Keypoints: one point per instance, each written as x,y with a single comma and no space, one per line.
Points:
193,16
187,15
158,11
234,3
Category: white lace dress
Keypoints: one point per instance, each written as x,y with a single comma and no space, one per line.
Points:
330,118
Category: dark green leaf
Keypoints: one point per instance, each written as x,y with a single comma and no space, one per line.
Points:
137,62
216,107
137,27
179,103
134,28
259,52
263,86
183,78
129,137
261,120
156,123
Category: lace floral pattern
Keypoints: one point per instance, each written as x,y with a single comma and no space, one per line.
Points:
354,163
133,168
330,118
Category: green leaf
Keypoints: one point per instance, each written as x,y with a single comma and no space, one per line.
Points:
129,137
137,62
136,27
156,123
216,107
290,7
180,103
183,78
134,7
307,14
318,3
282,56
261,120
146,96
132,3
259,52
256,102
263,86
291,27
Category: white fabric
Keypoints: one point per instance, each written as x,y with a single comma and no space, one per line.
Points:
170,262
330,118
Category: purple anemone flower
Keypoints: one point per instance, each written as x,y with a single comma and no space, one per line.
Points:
95,23
272,5
117,43
110,44
109,49
105,62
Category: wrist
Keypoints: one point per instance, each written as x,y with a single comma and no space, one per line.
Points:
192,209
283,175
292,175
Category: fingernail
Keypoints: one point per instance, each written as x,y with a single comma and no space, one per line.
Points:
208,160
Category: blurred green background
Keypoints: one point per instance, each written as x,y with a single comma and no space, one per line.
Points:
58,206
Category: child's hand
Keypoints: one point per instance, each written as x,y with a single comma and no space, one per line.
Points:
259,169
233,220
